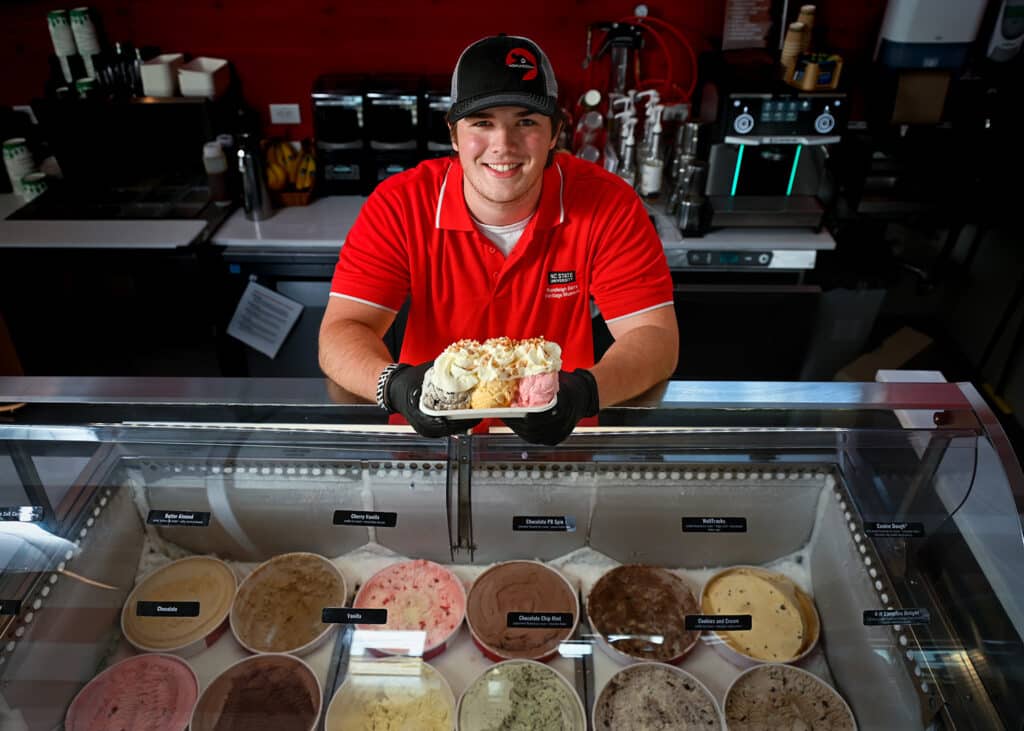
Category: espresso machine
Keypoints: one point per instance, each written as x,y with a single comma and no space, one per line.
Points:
767,164
437,99
338,124
393,137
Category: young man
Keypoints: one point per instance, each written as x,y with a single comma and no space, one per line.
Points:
506,238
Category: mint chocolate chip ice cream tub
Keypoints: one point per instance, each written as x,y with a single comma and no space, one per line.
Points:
520,695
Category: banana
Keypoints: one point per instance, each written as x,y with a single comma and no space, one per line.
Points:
276,176
306,175
288,158
270,152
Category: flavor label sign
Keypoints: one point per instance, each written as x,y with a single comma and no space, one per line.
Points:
373,519
9,607
167,609
554,523
888,617
540,620
191,519
346,615
698,524
21,514
890,529
719,622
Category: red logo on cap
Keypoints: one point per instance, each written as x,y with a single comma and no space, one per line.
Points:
520,58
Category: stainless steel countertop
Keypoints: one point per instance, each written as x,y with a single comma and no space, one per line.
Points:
318,392
31,234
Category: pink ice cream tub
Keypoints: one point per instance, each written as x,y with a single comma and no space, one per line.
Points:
151,692
419,596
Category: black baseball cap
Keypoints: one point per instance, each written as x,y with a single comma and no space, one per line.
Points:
502,71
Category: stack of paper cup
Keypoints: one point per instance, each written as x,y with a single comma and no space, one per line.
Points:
807,18
63,39
18,161
86,39
33,185
792,46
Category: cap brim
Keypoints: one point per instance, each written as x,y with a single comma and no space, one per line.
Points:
541,104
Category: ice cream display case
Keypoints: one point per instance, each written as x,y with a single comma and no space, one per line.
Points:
269,554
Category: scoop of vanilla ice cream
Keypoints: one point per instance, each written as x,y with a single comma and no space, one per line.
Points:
537,355
455,370
498,360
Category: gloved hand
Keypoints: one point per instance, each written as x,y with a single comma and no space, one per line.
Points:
577,397
403,394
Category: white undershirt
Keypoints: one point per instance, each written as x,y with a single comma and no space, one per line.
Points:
504,237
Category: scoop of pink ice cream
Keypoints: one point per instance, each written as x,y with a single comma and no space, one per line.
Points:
536,390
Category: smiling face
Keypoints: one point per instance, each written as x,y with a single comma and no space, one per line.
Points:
503,151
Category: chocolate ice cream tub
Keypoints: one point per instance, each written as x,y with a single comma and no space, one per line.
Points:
420,596
150,692
521,695
271,692
181,608
521,610
784,621
651,696
774,696
279,606
639,613
396,692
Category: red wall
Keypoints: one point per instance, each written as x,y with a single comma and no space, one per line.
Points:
278,48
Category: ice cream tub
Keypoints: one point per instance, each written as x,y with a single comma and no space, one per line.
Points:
520,695
420,596
279,606
651,696
775,696
543,603
150,692
395,692
784,621
180,586
271,692
639,613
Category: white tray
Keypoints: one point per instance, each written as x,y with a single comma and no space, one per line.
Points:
508,412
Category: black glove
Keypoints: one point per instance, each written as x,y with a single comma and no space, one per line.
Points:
577,397
403,395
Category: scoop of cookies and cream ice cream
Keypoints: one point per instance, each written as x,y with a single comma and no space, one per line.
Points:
453,376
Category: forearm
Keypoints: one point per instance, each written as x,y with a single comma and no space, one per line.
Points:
353,355
636,361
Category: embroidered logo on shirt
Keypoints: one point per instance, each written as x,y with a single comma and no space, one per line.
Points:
561,285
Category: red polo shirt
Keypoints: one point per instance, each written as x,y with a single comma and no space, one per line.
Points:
590,237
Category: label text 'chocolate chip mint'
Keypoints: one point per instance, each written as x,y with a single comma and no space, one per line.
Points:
167,609
373,518
345,615
555,523
891,529
9,607
21,514
698,524
719,622
536,620
888,617
192,519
